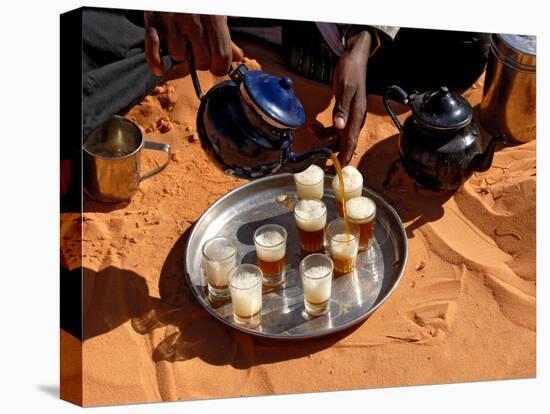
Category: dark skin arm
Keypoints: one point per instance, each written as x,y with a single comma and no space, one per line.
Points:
210,40
349,86
208,37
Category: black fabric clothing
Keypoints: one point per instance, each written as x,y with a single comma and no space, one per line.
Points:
306,52
115,73
417,59
116,76
421,59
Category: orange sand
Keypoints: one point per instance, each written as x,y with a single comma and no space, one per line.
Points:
464,310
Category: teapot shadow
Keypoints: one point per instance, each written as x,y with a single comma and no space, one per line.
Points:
384,173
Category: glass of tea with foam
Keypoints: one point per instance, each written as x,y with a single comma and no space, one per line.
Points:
316,271
362,211
344,245
270,242
245,284
219,256
310,183
353,186
311,219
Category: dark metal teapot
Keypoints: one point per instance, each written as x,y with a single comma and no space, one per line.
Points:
245,124
440,145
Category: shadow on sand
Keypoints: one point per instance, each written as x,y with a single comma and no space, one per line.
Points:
115,296
384,173
92,206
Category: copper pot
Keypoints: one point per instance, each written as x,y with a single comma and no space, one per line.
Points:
509,93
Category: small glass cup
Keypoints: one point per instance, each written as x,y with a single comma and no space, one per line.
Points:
362,211
310,183
270,242
353,185
245,284
311,218
316,271
343,247
219,256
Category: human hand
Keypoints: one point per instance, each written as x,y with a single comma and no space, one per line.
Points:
349,86
208,37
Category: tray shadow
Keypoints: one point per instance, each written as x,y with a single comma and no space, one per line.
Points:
117,296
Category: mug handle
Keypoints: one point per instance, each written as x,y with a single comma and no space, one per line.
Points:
404,97
157,146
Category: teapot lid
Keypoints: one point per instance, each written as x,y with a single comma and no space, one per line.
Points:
442,109
273,96
516,51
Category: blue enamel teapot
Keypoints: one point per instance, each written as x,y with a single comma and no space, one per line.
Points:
245,124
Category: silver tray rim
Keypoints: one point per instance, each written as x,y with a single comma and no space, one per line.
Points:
286,338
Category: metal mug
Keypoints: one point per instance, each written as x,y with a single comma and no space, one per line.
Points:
509,93
112,154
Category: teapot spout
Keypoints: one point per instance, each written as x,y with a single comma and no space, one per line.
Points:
298,162
482,162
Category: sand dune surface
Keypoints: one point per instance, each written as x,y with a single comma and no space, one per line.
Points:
464,310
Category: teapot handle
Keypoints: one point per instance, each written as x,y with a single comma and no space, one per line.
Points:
236,74
404,97
193,72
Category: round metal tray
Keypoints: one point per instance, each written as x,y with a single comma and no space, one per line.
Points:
354,296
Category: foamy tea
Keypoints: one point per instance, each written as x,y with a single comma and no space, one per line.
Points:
219,256
270,243
245,283
316,270
353,186
311,218
362,211
316,287
344,253
310,183
343,247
